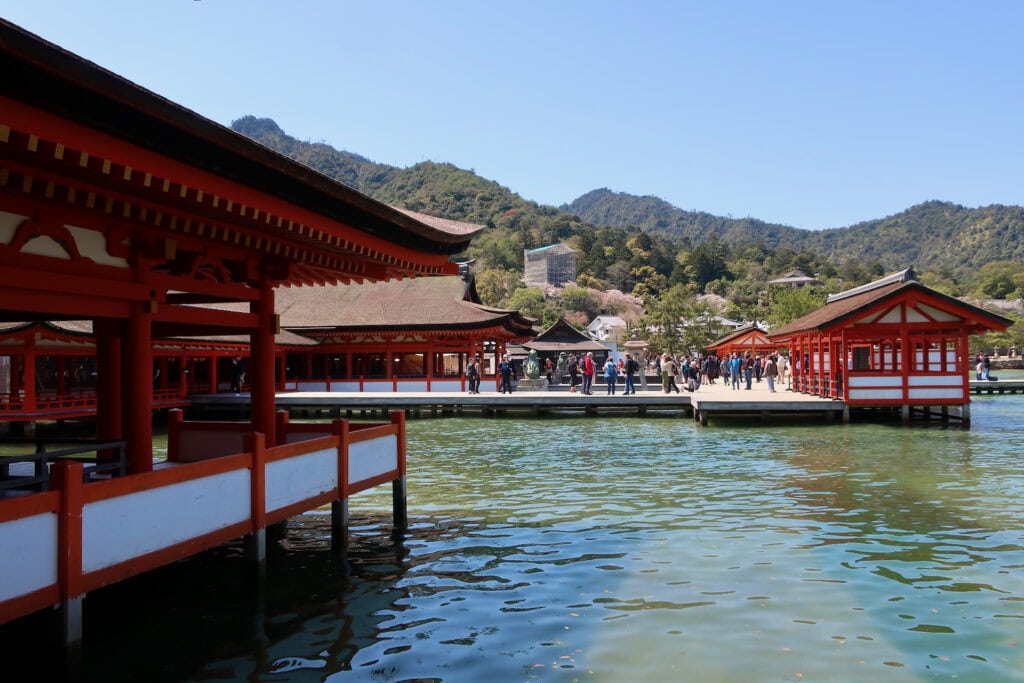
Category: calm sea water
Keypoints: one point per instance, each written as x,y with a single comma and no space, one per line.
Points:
619,550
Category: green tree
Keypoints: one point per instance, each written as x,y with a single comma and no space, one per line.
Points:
578,299
786,304
495,285
678,321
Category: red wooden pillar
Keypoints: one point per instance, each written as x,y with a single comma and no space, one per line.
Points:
62,385
109,386
29,375
214,382
138,381
183,376
261,363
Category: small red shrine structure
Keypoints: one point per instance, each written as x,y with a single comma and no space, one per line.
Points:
401,335
122,208
892,342
741,340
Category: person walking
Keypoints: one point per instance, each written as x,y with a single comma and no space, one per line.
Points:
628,369
610,375
668,374
588,373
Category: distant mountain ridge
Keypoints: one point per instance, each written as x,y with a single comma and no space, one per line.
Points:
935,235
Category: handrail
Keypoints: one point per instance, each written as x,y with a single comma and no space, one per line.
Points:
40,479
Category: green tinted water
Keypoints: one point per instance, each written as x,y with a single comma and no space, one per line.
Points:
624,550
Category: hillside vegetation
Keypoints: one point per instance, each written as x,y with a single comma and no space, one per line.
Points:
636,255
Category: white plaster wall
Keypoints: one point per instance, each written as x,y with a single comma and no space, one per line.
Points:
874,394
936,393
300,478
874,381
935,380
370,458
29,558
118,529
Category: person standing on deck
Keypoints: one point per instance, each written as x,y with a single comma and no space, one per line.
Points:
782,363
748,369
574,372
771,371
610,375
237,375
473,376
735,368
505,368
588,373
629,368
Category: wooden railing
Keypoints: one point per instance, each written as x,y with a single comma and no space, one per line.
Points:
78,537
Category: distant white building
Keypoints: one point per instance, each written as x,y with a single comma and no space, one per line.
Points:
604,326
551,265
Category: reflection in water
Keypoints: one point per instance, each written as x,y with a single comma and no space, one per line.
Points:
622,550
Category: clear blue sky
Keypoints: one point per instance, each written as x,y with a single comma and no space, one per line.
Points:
810,113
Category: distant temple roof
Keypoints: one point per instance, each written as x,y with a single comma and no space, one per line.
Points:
562,336
794,277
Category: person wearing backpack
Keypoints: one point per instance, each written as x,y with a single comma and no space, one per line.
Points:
629,369
610,374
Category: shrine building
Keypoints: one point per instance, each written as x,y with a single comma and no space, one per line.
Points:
890,343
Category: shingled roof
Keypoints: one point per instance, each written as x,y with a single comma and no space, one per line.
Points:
845,305
418,303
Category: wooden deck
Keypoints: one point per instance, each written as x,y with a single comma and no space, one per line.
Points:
707,402
1002,386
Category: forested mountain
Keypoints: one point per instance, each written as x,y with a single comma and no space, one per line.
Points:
680,246
931,236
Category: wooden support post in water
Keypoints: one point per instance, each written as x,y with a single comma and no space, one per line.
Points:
256,540
399,501
66,476
905,414
339,524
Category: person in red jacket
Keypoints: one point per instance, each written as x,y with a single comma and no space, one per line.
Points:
588,373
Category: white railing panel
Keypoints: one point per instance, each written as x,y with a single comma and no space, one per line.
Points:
121,528
935,380
29,560
875,381
948,393
874,394
373,457
348,386
377,387
406,385
312,386
446,385
300,478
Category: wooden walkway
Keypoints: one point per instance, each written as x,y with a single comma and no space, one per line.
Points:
707,402
1002,386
